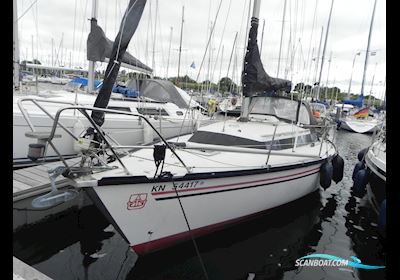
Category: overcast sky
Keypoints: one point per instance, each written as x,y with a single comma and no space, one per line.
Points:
348,34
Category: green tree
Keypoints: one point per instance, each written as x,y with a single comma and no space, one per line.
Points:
226,84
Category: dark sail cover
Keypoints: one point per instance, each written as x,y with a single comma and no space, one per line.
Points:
254,78
128,27
99,47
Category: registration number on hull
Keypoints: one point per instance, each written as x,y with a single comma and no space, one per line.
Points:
177,185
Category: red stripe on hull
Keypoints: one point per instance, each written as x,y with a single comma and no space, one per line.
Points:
236,184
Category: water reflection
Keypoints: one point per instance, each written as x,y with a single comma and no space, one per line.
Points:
266,246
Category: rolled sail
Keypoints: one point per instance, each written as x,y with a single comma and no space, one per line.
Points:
254,78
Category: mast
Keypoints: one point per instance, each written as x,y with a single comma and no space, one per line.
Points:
246,37
154,39
92,63
372,85
180,44
230,59
220,68
323,52
351,76
327,76
319,51
169,49
368,45
280,46
16,46
262,37
246,101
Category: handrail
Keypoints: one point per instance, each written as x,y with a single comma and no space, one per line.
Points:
35,101
83,110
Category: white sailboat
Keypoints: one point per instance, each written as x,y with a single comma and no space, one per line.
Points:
361,121
172,116
221,174
166,117
356,122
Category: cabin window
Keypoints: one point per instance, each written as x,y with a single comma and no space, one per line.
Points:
304,139
211,138
280,107
124,109
152,111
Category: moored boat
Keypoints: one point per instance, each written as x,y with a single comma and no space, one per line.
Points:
225,172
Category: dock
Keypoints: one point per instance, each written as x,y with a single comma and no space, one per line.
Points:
33,181
22,271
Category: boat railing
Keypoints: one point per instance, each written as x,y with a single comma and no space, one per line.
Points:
171,146
83,110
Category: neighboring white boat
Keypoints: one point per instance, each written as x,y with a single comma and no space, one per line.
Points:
166,117
361,122
369,176
230,106
369,125
375,161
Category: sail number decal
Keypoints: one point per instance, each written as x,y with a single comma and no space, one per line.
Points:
177,186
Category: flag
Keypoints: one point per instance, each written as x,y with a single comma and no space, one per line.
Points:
362,113
192,65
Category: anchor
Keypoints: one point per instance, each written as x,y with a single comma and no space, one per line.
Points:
55,196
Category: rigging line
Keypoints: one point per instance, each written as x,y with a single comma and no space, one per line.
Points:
190,231
160,33
310,41
30,6
209,39
201,65
146,51
105,21
83,26
37,31
222,36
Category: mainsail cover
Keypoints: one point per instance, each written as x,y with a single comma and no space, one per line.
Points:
128,27
99,47
254,78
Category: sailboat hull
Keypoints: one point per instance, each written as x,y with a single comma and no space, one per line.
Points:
150,217
360,126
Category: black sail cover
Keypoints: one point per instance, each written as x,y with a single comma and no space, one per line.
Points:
127,28
254,78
